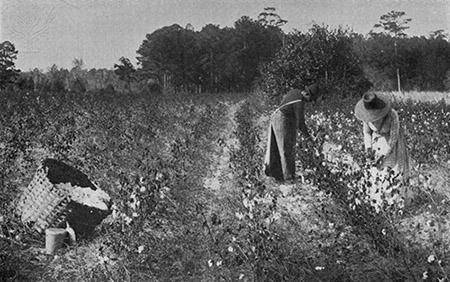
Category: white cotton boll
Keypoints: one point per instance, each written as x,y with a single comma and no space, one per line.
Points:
246,203
381,146
115,214
374,172
159,176
239,215
127,219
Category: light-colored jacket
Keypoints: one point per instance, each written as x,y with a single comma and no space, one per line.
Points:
389,142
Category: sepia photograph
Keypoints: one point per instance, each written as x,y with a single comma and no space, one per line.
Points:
225,140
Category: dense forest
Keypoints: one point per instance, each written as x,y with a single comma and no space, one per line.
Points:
257,53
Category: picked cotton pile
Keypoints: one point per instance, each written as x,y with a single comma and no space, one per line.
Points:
86,196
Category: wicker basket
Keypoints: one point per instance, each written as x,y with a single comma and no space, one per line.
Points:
46,203
42,203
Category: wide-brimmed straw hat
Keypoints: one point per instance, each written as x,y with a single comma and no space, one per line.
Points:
372,107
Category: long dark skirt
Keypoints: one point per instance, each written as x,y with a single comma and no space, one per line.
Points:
280,151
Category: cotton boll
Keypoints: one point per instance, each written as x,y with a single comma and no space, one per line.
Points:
381,146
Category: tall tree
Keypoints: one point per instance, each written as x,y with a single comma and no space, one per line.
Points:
77,79
394,24
272,21
125,71
8,72
439,34
269,17
78,63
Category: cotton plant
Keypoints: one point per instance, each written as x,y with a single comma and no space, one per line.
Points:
382,189
337,158
377,188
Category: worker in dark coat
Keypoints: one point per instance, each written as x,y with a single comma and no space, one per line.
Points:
285,120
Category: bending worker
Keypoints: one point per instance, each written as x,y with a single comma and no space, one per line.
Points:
383,132
286,119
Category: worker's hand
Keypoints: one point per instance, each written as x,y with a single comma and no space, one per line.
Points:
369,155
388,151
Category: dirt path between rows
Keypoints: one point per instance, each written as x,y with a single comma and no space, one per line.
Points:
220,172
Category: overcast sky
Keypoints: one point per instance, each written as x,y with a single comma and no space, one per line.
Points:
50,32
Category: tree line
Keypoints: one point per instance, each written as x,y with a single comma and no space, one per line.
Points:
257,53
